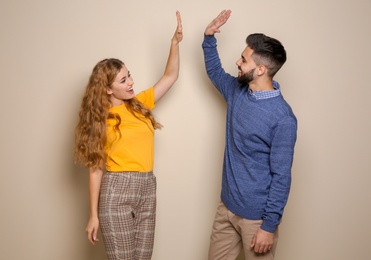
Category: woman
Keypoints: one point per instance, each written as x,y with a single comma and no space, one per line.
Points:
116,133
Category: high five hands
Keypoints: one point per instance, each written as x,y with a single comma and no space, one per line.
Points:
220,20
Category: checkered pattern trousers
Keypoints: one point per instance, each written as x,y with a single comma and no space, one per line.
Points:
127,214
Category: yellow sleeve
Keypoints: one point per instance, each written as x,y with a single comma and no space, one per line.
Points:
147,97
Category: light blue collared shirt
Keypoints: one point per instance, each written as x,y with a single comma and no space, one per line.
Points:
265,94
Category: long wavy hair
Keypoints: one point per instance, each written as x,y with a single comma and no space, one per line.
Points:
91,130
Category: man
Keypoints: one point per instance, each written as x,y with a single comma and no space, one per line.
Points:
260,138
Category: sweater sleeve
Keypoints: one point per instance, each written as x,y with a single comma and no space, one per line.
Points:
281,159
222,81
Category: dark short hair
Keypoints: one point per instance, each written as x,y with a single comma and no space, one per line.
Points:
267,51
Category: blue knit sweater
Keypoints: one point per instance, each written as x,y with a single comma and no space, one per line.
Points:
260,140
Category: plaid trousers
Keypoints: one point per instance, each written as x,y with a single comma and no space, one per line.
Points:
127,214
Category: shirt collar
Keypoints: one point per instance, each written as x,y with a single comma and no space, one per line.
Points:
265,94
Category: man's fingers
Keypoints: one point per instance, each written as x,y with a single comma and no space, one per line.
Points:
262,249
252,245
222,18
224,15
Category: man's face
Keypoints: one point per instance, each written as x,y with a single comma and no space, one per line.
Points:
246,67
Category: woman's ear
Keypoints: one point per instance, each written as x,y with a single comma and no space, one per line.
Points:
109,91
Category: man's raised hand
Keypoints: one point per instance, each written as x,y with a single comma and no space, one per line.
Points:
215,24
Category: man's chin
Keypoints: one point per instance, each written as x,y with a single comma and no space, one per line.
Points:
242,80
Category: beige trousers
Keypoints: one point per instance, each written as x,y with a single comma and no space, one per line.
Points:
231,234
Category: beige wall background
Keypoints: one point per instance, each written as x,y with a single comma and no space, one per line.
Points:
48,49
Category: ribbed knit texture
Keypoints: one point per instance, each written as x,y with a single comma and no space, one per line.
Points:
260,140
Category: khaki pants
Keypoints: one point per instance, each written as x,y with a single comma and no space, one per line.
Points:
231,234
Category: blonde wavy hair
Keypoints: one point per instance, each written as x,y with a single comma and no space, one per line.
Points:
91,130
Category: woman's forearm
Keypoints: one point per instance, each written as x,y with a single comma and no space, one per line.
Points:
173,63
171,72
95,178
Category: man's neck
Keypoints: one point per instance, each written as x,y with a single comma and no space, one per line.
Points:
261,84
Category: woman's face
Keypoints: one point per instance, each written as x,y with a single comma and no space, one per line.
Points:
121,88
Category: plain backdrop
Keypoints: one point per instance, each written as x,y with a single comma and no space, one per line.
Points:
47,51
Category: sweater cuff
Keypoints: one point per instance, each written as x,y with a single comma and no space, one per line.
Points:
269,227
209,41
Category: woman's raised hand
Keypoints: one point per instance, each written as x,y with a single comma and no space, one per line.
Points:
178,35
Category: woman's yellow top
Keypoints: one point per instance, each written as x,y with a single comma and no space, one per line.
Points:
134,150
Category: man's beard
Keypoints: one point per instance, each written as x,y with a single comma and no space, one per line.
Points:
247,77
